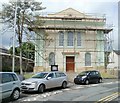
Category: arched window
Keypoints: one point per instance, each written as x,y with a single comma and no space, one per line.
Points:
51,59
61,38
87,59
70,39
78,39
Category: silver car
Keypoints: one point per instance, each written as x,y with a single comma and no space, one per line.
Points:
9,86
45,80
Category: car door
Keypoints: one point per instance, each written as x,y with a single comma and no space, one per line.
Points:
92,76
59,78
97,75
6,85
51,80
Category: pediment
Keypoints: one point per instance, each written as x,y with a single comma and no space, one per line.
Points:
70,12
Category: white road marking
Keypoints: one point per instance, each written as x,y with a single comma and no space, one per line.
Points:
66,89
59,91
94,85
35,99
78,87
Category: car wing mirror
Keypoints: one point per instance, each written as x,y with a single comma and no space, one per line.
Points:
48,78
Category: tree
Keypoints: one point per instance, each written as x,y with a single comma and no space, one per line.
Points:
24,17
27,50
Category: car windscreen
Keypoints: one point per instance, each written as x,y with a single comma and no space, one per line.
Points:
40,75
83,73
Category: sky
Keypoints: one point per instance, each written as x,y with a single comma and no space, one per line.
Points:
107,7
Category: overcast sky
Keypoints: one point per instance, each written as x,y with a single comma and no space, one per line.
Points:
107,7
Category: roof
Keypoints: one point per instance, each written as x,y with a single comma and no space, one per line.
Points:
69,12
117,52
2,47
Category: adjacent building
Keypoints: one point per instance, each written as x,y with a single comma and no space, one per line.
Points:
72,40
114,60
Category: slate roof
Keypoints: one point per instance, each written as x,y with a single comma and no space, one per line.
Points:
117,52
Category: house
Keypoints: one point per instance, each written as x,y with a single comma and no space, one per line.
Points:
75,41
114,61
3,49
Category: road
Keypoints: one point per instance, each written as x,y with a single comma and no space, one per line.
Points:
102,92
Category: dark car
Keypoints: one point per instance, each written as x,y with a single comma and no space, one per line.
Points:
87,77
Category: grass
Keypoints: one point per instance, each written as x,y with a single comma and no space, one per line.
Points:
28,75
109,76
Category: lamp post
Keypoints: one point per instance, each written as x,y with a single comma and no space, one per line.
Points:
13,61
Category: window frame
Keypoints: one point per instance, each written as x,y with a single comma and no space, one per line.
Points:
51,58
79,39
7,79
70,39
61,38
88,59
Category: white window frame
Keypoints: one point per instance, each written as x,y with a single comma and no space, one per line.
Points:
79,39
87,59
61,38
51,58
70,38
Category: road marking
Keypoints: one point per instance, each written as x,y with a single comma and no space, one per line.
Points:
78,87
35,99
109,98
66,89
94,85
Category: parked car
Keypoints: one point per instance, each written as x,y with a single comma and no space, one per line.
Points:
45,80
87,77
10,85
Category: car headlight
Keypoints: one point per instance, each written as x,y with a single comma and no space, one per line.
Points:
34,84
83,77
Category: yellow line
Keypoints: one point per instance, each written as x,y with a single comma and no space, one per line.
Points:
108,98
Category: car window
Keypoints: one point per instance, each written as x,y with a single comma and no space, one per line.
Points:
5,78
40,75
62,74
92,73
57,75
97,73
11,77
51,75
14,77
83,73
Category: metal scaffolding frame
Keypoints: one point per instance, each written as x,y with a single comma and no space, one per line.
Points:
74,28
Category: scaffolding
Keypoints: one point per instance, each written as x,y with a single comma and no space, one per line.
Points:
94,34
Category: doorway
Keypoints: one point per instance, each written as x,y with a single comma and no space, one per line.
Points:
70,64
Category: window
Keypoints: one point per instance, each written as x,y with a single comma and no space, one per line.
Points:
61,39
51,59
6,78
87,59
14,76
70,39
57,75
78,39
51,75
60,75
92,73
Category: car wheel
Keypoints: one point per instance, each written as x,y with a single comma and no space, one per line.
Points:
41,88
100,80
15,95
87,82
64,84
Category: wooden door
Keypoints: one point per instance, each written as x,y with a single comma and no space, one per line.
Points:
70,64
